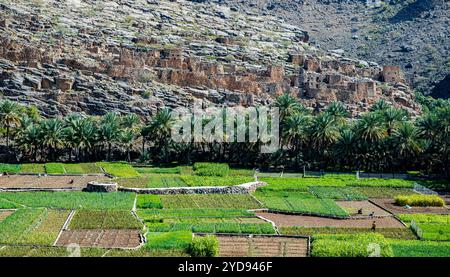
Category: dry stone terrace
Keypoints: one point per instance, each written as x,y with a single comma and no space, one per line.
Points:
146,55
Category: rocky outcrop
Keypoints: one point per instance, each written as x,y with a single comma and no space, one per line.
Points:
156,55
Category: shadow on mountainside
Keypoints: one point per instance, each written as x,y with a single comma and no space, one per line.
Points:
414,10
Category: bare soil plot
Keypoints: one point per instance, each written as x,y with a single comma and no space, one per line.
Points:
389,204
5,214
246,246
283,220
367,208
101,238
46,182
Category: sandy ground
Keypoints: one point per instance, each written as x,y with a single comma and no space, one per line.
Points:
389,204
282,220
100,238
34,181
244,246
367,208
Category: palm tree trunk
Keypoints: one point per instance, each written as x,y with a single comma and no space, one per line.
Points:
7,136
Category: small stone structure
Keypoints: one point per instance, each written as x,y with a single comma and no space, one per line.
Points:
101,187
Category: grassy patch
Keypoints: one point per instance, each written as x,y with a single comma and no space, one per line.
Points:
152,181
425,218
212,181
394,233
33,168
211,169
156,215
297,203
169,240
158,170
9,168
85,219
357,245
55,168
383,192
338,193
72,200
119,169
390,183
32,226
208,201
418,248
147,201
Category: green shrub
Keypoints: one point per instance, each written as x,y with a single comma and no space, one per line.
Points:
211,169
420,200
207,246
358,245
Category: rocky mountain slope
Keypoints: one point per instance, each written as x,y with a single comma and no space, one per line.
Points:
138,56
414,34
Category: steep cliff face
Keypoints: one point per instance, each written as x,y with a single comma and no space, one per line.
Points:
414,34
138,56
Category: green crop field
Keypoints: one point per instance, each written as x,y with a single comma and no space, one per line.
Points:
147,201
152,181
213,181
32,226
392,233
156,215
169,240
357,245
71,200
208,201
86,219
33,168
158,170
338,193
119,169
418,248
298,203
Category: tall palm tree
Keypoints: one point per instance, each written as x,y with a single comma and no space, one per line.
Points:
53,135
9,117
392,118
338,111
29,138
345,148
127,139
370,128
406,140
160,130
323,132
109,134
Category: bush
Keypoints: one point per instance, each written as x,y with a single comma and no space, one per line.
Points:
211,169
420,200
207,246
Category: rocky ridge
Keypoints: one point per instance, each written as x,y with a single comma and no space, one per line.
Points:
139,56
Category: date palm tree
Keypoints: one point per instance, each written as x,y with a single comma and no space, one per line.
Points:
9,117
53,136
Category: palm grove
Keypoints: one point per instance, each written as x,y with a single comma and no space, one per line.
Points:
383,139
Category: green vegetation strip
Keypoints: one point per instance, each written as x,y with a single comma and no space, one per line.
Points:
208,201
119,169
358,245
418,248
393,233
211,169
169,240
85,219
213,181
72,200
32,226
